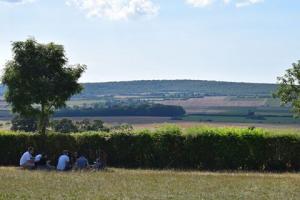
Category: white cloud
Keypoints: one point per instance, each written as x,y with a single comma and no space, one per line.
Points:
124,9
17,1
237,3
247,2
200,3
116,9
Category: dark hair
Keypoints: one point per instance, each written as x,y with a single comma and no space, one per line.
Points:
30,148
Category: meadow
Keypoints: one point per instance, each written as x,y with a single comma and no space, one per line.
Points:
147,184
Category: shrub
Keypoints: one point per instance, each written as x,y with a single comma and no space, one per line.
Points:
168,147
122,127
68,126
27,124
87,125
63,126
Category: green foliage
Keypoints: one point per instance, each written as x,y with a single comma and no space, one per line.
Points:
64,126
122,127
87,125
289,88
68,126
38,80
169,147
27,124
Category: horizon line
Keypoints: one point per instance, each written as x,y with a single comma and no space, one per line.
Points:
140,80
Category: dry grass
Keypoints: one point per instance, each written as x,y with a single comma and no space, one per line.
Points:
146,184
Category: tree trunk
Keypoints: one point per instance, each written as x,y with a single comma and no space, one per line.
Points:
43,120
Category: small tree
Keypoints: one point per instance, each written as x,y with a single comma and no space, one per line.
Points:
38,80
289,88
64,126
27,124
87,125
98,125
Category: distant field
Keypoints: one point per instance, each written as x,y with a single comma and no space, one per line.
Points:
147,184
243,119
77,102
154,122
217,104
209,109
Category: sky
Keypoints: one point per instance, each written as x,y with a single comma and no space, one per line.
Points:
224,40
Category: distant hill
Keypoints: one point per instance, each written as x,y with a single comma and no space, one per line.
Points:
159,87
199,87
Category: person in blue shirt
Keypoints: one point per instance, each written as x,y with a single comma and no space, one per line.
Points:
81,162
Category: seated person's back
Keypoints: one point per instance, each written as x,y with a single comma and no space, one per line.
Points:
27,160
63,161
81,162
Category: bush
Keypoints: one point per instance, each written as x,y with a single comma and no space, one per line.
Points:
64,126
27,124
168,147
122,127
87,125
67,126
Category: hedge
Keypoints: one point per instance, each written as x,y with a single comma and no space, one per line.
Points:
168,147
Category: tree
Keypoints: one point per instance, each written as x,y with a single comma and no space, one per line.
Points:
19,123
87,125
64,126
289,89
98,125
39,81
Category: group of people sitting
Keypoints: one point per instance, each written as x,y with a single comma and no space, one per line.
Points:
66,162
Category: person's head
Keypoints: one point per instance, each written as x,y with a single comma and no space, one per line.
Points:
31,150
65,152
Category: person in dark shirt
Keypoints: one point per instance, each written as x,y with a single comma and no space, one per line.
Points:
73,158
42,162
81,162
100,162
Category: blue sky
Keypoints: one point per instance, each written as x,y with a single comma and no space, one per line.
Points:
237,40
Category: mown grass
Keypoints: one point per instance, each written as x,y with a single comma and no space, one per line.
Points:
146,184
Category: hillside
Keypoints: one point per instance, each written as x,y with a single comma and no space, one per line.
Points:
188,87
172,87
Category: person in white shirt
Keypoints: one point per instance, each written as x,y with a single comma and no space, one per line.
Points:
63,162
38,158
27,160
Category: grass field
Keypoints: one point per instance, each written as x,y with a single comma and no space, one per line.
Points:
146,184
